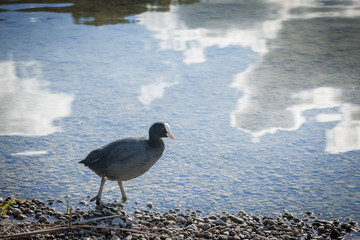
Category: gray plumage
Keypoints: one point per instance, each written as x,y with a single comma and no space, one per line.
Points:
124,159
127,158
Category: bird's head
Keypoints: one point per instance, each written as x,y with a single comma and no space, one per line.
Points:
160,130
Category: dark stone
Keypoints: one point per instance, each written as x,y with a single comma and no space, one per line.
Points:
335,234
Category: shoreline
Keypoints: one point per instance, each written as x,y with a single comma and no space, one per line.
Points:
36,219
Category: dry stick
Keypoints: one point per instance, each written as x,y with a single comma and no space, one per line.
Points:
70,226
6,230
49,230
67,204
28,234
73,223
211,229
96,219
70,216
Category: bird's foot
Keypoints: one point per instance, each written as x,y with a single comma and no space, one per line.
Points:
116,204
124,199
99,202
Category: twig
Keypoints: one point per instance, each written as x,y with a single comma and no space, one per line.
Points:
208,230
27,234
75,226
49,230
67,203
7,229
70,216
96,219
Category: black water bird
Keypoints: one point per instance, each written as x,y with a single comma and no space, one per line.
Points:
127,158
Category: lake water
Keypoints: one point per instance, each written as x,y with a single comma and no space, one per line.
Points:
262,96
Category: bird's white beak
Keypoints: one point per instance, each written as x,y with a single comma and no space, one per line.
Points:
169,134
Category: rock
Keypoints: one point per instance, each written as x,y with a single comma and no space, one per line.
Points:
191,228
21,216
58,215
208,235
353,223
223,237
308,213
321,229
170,217
187,225
235,219
181,220
335,234
212,217
219,222
16,212
223,218
38,214
42,219
117,222
206,226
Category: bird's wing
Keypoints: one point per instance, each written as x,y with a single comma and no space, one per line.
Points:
113,152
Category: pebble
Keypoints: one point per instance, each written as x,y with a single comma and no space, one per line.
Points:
206,226
42,219
173,224
149,205
117,222
21,216
219,222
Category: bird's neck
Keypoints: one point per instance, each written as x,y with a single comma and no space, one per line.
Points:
155,142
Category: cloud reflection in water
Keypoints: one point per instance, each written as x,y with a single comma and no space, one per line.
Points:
345,136
153,91
27,107
261,110
266,109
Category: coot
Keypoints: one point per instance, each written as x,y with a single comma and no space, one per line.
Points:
127,158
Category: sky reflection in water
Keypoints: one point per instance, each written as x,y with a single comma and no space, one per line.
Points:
28,108
263,98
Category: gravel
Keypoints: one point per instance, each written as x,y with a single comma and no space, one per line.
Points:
27,216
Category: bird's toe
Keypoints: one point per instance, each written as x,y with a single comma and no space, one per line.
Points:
101,204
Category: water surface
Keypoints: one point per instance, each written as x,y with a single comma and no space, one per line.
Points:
262,96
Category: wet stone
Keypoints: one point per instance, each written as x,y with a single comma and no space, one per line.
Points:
170,217
149,205
212,217
223,237
178,225
219,222
206,226
21,217
42,219
16,212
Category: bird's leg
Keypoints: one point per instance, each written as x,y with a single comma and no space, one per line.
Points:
98,196
124,198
